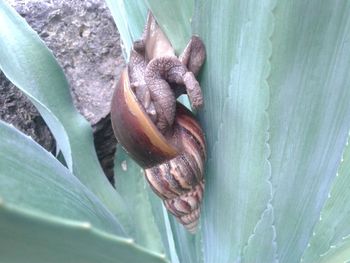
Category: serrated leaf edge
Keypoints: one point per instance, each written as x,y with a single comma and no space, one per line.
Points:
329,197
266,85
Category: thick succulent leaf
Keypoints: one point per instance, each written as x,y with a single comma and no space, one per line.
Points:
132,186
20,49
130,18
175,19
235,121
31,178
161,218
188,246
333,224
40,198
309,114
29,237
154,229
28,64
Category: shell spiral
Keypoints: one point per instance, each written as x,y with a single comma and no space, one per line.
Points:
179,181
173,163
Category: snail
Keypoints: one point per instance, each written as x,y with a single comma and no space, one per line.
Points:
158,132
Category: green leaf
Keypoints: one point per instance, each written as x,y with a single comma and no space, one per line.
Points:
31,178
188,246
161,218
309,114
31,238
28,64
133,187
236,36
338,253
333,224
304,98
40,198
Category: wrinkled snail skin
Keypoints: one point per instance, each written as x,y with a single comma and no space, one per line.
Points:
158,74
160,134
166,76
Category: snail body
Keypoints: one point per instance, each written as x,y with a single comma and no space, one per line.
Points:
174,164
160,134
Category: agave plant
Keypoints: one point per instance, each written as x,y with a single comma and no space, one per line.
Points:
276,118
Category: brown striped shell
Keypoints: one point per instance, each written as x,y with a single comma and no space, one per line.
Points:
173,163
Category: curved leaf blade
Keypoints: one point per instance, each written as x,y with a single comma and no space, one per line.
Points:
32,179
28,64
14,61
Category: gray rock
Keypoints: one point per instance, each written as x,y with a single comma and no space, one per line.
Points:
85,41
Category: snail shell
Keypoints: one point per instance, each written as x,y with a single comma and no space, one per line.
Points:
173,163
